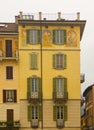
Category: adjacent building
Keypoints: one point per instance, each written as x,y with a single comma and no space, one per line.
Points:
89,107
40,68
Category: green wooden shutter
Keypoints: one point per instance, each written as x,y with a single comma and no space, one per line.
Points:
29,113
39,89
40,113
54,113
28,88
39,36
64,36
64,61
28,36
33,61
54,37
54,88
65,88
54,61
65,113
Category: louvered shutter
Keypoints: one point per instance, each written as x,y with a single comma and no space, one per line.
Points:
54,113
29,113
33,61
4,96
29,80
65,88
15,95
54,88
40,113
28,36
65,113
39,36
54,36
64,36
39,89
64,61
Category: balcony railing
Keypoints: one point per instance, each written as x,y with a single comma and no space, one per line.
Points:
60,96
35,123
34,96
9,123
14,55
60,123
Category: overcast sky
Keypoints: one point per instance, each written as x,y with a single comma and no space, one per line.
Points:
10,8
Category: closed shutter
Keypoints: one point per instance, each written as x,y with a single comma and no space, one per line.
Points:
4,96
40,113
28,36
29,113
65,88
15,96
65,113
39,89
54,61
54,113
29,87
39,36
54,37
33,61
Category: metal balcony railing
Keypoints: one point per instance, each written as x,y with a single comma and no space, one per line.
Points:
60,96
4,56
9,123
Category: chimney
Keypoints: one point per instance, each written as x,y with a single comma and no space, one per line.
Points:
59,15
40,15
78,15
21,15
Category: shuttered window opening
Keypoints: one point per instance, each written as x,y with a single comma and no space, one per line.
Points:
59,61
33,87
33,61
34,112
60,112
60,88
9,96
59,37
33,36
9,72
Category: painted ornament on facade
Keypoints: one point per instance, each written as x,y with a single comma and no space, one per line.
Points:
71,38
47,37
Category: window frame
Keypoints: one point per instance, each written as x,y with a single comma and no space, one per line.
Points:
9,72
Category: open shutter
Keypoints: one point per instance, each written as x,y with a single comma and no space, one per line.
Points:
4,96
54,113
54,37
65,88
28,36
64,61
40,113
39,89
54,61
54,87
29,113
64,36
29,87
65,113
39,36
15,95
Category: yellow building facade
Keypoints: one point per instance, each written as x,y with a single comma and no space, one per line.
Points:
47,72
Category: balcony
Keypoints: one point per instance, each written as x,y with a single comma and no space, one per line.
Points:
60,96
34,96
82,78
13,56
34,123
60,123
10,124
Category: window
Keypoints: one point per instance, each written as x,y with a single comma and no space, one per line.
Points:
9,96
33,87
9,72
59,61
59,37
60,112
60,88
34,112
33,61
33,36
